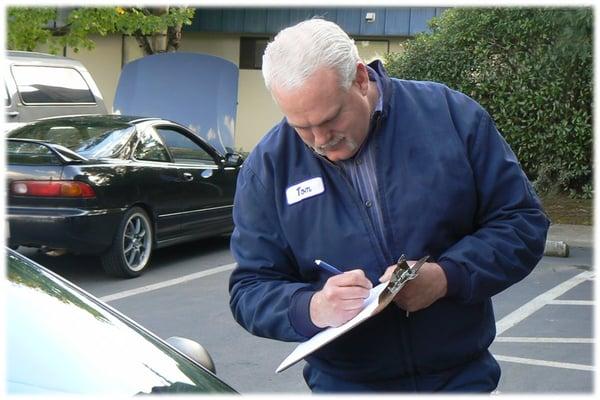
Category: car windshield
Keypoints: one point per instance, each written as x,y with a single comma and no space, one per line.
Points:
92,139
60,340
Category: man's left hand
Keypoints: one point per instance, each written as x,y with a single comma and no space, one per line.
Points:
429,286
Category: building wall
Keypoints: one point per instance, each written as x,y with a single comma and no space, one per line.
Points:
221,45
256,111
356,21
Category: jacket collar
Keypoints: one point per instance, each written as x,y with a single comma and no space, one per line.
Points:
386,84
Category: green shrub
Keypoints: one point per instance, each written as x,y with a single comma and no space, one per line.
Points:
531,68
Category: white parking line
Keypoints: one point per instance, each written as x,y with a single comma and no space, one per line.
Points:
572,302
170,282
544,363
529,308
522,339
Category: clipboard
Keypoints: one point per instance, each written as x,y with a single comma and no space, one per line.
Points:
379,298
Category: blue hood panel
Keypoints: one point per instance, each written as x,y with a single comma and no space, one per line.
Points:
195,90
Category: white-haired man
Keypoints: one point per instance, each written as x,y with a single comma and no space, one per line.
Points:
364,168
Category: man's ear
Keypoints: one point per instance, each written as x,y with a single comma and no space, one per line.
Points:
362,78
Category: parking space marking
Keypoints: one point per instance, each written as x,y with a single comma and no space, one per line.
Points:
547,298
529,308
522,339
170,282
572,302
544,363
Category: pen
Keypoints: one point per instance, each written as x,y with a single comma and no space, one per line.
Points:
328,267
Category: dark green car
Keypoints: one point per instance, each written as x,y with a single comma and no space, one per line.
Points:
62,340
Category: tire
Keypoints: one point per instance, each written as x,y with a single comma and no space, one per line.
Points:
129,254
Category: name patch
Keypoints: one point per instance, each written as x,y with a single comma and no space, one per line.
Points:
304,190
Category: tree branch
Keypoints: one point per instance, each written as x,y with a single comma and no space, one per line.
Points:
174,37
144,43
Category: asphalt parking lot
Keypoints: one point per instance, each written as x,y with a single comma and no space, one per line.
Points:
545,342
545,336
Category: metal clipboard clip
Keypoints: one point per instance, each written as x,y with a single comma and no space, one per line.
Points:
401,275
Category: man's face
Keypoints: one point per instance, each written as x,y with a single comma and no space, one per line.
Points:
331,120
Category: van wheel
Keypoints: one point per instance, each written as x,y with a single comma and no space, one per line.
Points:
130,251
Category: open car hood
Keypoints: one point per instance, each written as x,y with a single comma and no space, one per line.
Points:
198,91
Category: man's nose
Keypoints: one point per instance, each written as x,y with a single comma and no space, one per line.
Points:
322,135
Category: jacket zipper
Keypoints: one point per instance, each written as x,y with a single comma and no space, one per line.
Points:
359,204
405,347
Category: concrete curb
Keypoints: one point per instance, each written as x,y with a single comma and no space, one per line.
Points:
561,237
572,235
555,248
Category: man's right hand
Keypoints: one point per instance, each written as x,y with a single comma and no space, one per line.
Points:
340,300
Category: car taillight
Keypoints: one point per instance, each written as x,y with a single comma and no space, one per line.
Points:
52,189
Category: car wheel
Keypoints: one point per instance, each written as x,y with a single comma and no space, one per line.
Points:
130,251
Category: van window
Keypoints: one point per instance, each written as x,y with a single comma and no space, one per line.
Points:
6,97
43,84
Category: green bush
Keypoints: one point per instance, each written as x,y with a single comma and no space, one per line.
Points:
531,68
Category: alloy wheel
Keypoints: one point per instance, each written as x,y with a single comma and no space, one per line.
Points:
136,242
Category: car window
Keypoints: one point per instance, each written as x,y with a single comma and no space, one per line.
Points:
30,154
6,97
44,84
91,138
106,145
150,148
184,149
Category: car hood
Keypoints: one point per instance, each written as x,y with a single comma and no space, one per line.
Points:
62,340
198,91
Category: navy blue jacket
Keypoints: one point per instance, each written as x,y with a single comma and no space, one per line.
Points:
449,186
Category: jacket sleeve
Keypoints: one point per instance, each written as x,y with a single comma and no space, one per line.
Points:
510,226
267,295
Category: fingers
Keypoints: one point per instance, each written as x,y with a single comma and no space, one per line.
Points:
346,297
341,299
348,290
429,286
356,277
407,303
387,275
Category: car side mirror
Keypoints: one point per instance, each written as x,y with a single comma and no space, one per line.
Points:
193,350
233,160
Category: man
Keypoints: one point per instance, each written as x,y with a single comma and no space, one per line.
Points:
362,169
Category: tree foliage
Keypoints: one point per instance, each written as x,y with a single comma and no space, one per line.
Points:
531,68
156,29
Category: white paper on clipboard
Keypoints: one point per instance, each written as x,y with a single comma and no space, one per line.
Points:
329,334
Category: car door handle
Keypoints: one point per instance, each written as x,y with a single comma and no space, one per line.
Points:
188,176
12,113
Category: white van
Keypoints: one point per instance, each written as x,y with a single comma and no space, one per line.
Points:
38,85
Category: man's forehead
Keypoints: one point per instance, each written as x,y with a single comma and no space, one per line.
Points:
310,104
314,118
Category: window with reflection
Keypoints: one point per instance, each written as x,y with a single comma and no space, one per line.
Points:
251,52
6,97
89,137
23,153
183,149
43,84
150,148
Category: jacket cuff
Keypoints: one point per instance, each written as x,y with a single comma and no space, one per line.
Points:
456,277
299,314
